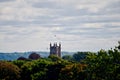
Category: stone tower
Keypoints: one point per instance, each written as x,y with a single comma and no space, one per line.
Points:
55,49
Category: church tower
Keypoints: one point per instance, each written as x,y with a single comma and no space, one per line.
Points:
55,49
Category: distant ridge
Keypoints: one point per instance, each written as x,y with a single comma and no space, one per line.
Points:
16,55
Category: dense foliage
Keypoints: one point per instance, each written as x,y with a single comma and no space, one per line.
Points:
103,65
9,71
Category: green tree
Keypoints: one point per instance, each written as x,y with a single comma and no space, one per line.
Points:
73,72
35,70
67,57
55,68
19,63
119,45
54,58
104,65
79,56
9,71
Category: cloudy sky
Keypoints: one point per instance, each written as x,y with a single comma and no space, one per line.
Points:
80,25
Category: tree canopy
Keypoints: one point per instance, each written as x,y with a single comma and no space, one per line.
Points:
103,65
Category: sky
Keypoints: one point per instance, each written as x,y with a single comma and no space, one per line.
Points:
79,25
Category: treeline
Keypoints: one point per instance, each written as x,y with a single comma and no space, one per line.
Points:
103,65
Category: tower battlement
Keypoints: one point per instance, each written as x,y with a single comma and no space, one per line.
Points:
55,49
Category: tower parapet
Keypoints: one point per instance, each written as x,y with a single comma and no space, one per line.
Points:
55,49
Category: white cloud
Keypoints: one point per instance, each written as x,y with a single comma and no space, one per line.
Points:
86,24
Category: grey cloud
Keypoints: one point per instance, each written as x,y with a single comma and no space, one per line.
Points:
69,11
45,4
57,15
102,32
19,31
6,0
51,5
54,21
114,4
74,12
13,23
26,23
61,9
40,22
111,8
89,19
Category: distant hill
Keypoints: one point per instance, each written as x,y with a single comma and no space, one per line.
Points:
16,55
